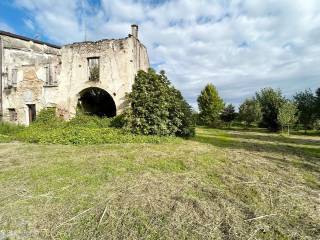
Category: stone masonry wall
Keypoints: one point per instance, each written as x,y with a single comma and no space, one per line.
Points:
119,62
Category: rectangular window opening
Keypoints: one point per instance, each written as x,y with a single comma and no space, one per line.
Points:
48,76
94,69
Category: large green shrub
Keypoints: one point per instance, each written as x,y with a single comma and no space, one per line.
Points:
157,108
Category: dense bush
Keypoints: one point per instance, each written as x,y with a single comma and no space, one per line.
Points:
157,108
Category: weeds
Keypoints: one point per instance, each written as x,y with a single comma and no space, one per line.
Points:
82,129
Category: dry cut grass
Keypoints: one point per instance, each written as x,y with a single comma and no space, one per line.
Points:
220,185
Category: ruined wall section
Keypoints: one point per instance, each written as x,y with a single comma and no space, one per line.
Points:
119,61
24,76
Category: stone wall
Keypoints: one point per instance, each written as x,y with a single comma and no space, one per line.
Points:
29,60
119,61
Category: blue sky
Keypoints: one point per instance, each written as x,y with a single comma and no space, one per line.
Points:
240,46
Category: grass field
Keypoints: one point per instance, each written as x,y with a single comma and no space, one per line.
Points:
223,184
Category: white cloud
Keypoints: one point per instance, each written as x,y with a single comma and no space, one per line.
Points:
6,27
240,46
29,24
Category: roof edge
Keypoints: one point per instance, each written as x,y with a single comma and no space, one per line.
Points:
8,34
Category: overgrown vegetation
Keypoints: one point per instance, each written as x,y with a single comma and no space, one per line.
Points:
82,129
157,108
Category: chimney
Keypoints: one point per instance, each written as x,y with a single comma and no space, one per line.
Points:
134,30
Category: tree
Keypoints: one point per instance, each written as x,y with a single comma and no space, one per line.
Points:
157,108
181,110
228,114
317,103
250,111
287,115
270,101
210,105
305,102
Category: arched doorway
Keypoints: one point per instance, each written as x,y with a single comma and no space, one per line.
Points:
96,101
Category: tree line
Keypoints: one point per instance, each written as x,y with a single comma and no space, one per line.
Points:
268,108
158,108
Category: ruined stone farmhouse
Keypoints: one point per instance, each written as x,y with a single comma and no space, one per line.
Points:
93,77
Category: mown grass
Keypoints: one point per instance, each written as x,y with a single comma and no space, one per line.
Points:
223,184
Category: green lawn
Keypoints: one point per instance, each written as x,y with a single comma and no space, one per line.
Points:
223,184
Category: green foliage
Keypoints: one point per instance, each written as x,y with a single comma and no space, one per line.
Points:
250,111
270,101
317,103
88,121
48,118
118,121
317,124
5,138
181,110
210,105
82,129
287,114
229,114
69,134
9,128
157,108
306,102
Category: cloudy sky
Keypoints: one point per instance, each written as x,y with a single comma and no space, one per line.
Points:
238,45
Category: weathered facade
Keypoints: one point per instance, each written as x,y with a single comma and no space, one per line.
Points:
90,76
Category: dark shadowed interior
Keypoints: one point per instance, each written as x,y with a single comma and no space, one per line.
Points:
96,101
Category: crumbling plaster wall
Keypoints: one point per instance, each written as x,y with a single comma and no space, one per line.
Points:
30,60
119,62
